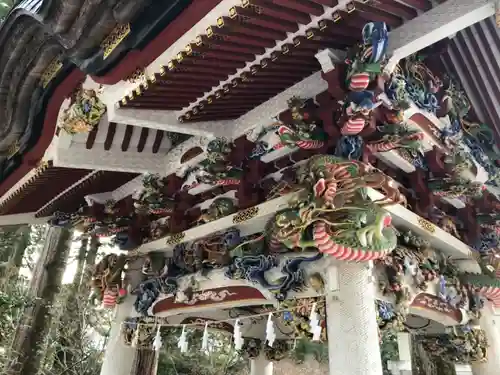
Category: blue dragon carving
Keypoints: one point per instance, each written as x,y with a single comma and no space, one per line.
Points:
253,269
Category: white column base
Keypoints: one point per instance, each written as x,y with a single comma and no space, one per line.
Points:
260,366
119,358
353,341
463,370
489,323
404,365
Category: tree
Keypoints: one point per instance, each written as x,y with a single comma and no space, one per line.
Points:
44,286
6,6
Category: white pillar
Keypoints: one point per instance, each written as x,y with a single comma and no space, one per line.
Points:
463,370
119,358
490,324
353,341
260,366
403,366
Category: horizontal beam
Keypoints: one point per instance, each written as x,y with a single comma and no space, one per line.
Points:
402,217
168,121
118,161
266,112
442,21
18,219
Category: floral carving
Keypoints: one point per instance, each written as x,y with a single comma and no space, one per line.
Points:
84,113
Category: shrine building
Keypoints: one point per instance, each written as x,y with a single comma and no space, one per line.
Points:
331,162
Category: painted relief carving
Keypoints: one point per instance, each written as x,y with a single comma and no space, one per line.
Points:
84,113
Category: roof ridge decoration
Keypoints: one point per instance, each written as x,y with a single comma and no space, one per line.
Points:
84,113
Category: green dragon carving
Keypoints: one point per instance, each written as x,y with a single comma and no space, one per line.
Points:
334,214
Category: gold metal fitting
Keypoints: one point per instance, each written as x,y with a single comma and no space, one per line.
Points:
189,114
171,65
138,90
264,62
180,56
210,31
199,40
322,25
310,34
162,71
218,94
296,41
188,49
226,88
233,13
245,3
195,110
124,101
351,7
336,17
275,55
220,22
285,48
152,77
254,69
210,99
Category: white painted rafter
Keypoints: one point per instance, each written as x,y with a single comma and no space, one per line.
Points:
442,21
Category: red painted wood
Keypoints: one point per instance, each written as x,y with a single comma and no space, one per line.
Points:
305,6
247,15
252,30
380,13
91,138
73,199
41,189
394,7
110,136
129,131
424,5
158,139
30,159
231,294
179,26
274,10
143,139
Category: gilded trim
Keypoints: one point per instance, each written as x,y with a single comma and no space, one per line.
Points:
50,72
427,225
113,40
245,215
176,239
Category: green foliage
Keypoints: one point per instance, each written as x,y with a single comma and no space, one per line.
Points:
389,348
6,6
306,349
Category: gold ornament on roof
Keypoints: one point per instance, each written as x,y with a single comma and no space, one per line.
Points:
12,150
84,113
50,72
114,39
